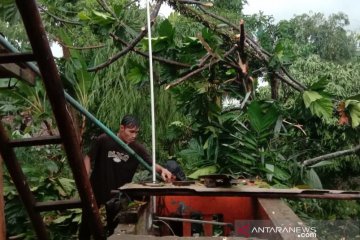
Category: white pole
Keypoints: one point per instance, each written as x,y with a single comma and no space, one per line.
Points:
152,93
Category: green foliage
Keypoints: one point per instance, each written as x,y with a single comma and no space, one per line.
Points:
48,177
264,139
318,104
325,37
262,117
353,107
203,171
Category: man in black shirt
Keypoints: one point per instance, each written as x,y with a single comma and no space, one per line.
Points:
113,166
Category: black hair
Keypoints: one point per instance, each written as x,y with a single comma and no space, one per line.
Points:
130,121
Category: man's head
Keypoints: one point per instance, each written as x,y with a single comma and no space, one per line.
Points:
129,129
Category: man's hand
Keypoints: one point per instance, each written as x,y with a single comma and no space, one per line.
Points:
166,175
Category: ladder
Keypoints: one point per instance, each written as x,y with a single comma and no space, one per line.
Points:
41,53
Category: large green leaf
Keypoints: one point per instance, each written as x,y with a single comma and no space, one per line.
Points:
310,97
261,117
320,85
166,29
313,179
203,171
322,108
319,105
137,75
354,108
240,159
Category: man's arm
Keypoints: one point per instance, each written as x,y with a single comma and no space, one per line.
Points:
165,174
87,163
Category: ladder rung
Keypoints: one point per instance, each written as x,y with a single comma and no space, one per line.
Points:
16,57
35,141
57,205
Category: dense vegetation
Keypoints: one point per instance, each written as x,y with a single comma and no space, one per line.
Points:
286,133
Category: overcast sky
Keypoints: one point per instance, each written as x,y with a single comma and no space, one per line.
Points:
286,9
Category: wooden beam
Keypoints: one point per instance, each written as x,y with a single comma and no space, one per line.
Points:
12,70
16,57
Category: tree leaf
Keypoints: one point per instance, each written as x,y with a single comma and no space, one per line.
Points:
322,108
319,105
203,171
309,97
322,163
353,107
261,117
320,85
166,29
313,179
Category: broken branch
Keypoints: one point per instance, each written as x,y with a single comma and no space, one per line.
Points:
131,44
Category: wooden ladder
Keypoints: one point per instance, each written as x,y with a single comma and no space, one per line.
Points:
41,53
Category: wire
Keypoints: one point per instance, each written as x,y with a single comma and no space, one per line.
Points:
166,224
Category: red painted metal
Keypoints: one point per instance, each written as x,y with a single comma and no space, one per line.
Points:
231,208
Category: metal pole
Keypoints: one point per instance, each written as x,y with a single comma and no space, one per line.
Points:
151,91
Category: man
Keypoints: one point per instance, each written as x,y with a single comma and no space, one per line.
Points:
114,167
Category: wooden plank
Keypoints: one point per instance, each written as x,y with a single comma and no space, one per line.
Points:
16,57
13,70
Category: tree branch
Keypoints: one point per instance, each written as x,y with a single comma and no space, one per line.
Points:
260,53
159,59
84,48
180,80
206,4
331,155
132,44
58,18
106,8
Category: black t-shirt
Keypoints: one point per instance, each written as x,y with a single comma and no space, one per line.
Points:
112,165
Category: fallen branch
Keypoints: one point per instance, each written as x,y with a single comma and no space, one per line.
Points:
84,48
159,59
332,155
180,80
299,126
131,44
205,4
260,53
58,18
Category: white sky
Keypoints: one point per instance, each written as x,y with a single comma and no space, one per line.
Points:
286,9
